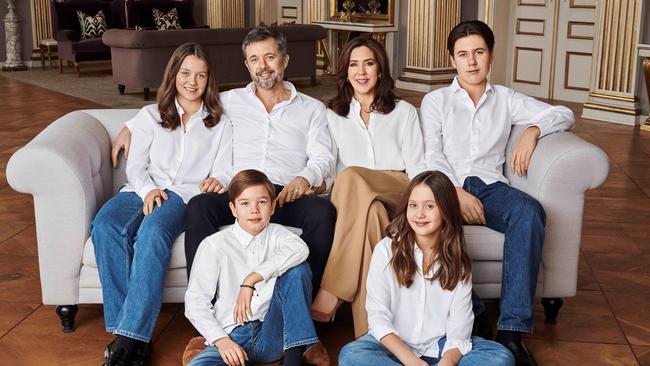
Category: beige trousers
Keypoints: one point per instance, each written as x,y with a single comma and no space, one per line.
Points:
364,199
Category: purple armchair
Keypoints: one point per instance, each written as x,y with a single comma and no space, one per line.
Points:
67,30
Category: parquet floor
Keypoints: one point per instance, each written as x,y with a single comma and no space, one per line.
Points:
607,323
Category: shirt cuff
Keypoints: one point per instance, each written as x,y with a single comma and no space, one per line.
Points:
142,192
380,332
311,176
214,334
129,124
267,270
464,346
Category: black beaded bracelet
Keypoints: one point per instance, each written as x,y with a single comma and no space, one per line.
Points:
248,286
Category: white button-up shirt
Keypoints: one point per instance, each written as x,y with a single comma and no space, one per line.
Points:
291,140
421,314
222,262
391,141
177,160
462,140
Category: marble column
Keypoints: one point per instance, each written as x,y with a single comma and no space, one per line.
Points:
427,60
614,73
12,40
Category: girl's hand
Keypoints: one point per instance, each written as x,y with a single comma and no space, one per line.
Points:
155,196
242,312
231,352
211,185
123,141
524,150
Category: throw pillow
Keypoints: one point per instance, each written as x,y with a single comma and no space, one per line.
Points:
92,27
166,21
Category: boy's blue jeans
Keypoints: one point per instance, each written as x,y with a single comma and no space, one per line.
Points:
522,219
287,323
369,351
132,253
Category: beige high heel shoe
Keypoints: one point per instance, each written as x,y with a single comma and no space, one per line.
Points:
324,307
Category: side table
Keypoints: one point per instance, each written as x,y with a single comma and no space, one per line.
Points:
48,46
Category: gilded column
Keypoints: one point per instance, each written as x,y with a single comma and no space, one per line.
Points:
614,72
427,60
226,13
317,10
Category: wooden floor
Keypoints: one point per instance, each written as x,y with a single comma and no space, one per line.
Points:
607,323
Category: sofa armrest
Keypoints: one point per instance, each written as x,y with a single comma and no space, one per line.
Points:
561,169
66,168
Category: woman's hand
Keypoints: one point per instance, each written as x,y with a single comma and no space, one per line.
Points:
155,196
123,141
211,185
523,150
232,353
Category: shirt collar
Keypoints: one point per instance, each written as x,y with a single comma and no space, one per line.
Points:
287,85
202,111
244,237
455,86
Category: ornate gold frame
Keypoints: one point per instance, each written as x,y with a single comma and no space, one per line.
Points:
366,18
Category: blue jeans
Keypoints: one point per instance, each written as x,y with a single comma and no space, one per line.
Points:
287,323
522,219
369,351
132,253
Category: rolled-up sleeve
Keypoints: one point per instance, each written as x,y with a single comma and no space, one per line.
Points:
461,319
136,166
222,169
380,318
413,145
548,118
321,161
291,252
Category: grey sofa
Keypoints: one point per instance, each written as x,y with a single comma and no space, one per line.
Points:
73,157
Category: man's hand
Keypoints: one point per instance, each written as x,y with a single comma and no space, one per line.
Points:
314,191
211,185
523,150
294,190
155,196
123,141
231,352
470,207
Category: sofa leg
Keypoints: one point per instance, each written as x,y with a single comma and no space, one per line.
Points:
77,69
146,94
121,88
60,66
67,314
552,306
313,80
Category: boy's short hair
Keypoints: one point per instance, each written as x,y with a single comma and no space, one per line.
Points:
249,178
469,28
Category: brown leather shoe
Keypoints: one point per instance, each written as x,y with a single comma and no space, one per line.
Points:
193,348
316,355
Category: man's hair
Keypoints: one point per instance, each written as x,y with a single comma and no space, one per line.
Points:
249,178
469,28
262,33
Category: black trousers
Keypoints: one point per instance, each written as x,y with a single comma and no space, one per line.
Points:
316,216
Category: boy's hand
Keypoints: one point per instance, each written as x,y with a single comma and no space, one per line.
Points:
123,141
242,312
231,352
523,150
211,185
292,191
155,196
470,207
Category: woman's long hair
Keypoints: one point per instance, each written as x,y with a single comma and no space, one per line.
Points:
385,99
167,92
449,250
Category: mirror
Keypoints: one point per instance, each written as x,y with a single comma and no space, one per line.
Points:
366,11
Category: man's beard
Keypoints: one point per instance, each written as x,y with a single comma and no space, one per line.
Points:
268,84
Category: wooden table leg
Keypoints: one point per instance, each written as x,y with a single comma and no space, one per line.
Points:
646,71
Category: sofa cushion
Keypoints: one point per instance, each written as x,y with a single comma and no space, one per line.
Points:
166,21
92,26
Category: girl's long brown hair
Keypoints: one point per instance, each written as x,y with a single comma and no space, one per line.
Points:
385,98
167,92
449,250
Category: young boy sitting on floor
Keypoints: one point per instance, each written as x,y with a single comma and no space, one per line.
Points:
251,257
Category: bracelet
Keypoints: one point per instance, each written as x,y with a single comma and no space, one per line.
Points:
248,286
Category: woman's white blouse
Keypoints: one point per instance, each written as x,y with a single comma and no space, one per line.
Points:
391,141
421,314
178,159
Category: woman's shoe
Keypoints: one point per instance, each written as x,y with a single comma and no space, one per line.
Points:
324,307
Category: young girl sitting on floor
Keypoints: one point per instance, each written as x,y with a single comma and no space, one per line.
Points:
251,257
419,287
